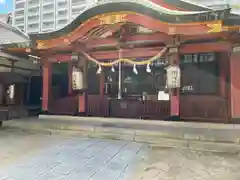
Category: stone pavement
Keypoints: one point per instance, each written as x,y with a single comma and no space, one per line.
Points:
176,164
32,155
77,158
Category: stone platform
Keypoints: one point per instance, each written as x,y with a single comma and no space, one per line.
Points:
202,136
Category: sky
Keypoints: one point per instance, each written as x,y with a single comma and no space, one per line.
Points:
6,6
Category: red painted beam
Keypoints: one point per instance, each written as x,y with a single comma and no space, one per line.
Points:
127,53
142,39
149,52
205,47
205,36
161,37
103,55
99,42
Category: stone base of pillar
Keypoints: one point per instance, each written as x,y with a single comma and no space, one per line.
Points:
81,114
45,113
173,118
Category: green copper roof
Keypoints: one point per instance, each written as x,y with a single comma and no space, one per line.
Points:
144,7
10,34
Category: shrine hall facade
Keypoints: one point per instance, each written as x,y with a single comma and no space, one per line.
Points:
115,58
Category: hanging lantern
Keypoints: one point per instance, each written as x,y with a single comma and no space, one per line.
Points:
77,79
112,69
99,69
148,69
135,69
173,76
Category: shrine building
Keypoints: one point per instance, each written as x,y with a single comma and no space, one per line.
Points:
148,59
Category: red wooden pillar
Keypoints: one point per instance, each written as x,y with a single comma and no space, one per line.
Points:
235,83
47,85
223,73
101,84
70,71
83,96
174,92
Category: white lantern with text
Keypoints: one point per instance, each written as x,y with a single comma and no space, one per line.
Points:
77,79
173,77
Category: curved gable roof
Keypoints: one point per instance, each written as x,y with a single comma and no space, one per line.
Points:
144,7
10,34
12,37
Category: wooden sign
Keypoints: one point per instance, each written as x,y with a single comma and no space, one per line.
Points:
236,49
74,57
207,57
198,58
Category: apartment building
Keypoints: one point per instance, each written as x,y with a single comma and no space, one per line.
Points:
33,16
219,4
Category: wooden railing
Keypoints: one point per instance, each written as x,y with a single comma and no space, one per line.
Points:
155,109
98,106
213,108
64,106
206,108
127,108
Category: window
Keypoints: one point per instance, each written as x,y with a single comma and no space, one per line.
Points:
199,73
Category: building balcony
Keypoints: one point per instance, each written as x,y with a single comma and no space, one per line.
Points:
19,17
19,23
62,17
66,8
48,20
62,22
33,9
19,9
33,6
47,11
47,3
21,27
79,6
33,20
20,1
32,13
33,28
78,2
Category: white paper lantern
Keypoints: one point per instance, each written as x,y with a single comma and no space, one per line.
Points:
77,79
173,77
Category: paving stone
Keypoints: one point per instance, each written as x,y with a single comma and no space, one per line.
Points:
50,176
114,168
24,173
77,158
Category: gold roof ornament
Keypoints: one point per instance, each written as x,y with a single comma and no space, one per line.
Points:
215,28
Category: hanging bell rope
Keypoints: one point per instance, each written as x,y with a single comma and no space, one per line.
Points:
149,61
